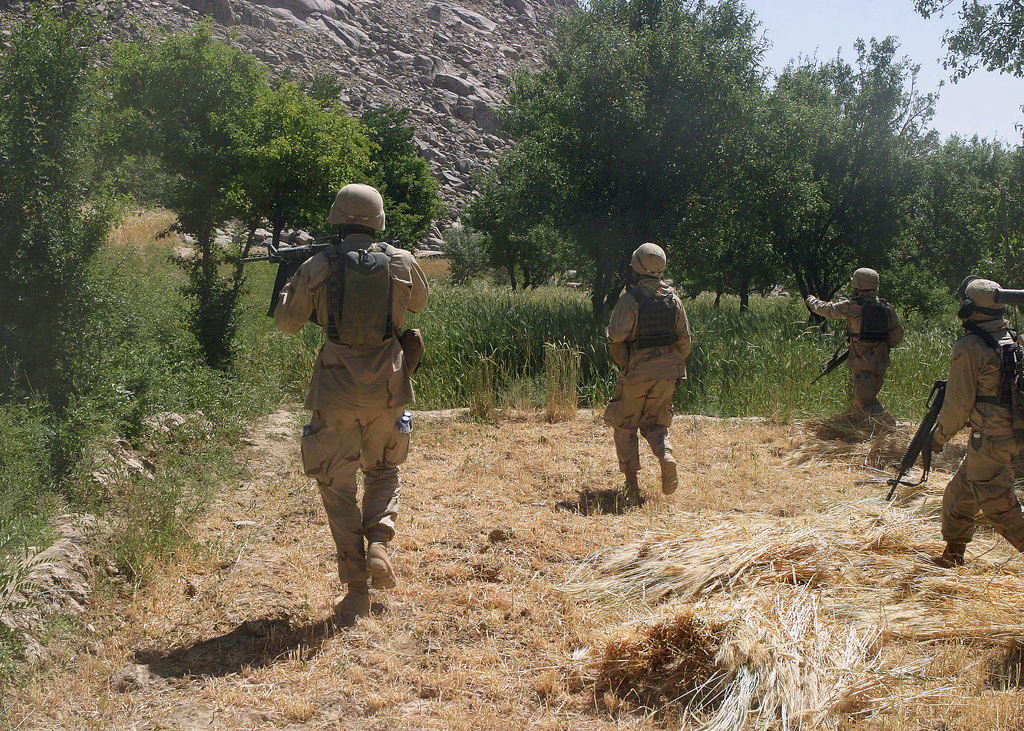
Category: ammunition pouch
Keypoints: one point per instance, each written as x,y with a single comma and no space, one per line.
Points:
620,353
411,341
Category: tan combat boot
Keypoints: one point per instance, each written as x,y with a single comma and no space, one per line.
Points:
952,556
379,566
631,490
669,475
355,604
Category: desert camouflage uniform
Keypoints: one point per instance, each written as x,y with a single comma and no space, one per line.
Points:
643,392
984,480
868,360
357,397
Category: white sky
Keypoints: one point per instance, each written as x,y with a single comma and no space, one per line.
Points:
986,104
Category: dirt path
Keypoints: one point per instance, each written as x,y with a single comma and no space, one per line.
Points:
481,633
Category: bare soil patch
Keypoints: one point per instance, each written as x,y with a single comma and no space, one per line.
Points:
530,599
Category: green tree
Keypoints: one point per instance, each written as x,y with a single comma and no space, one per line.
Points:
989,35
517,239
294,157
957,221
52,227
184,100
846,143
637,111
399,172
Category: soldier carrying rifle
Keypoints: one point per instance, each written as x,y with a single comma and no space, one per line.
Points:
359,292
981,392
873,329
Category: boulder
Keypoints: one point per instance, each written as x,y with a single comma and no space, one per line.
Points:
454,84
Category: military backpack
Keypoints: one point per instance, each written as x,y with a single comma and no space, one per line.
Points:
359,296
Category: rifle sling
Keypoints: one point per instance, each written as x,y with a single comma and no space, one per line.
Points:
995,400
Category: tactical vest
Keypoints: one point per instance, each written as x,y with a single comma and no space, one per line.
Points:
1011,382
656,319
874,320
359,296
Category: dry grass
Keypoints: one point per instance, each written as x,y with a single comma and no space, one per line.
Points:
775,579
142,228
435,267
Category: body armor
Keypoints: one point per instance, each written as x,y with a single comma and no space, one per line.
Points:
1011,385
656,319
874,320
359,296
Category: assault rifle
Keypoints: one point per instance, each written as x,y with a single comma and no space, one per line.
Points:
921,444
834,362
288,260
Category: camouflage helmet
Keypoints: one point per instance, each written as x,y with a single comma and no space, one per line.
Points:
359,205
984,294
649,260
866,279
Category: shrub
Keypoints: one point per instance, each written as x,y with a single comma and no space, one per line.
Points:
466,252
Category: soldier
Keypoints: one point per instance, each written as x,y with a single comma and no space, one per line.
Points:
359,292
873,329
649,339
978,393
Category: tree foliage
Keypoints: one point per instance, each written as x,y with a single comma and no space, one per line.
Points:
847,142
400,173
633,116
512,195
52,224
989,35
183,100
293,157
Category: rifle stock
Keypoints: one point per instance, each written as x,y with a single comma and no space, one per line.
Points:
921,444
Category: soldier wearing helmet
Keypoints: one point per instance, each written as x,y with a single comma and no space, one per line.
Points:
978,395
649,338
359,292
873,329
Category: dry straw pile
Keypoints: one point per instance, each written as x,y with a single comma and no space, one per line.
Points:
801,623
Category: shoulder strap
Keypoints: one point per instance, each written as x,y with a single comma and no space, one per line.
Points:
637,294
985,335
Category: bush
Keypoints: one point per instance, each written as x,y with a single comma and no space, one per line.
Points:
467,253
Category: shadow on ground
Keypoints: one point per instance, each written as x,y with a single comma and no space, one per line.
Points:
601,502
254,643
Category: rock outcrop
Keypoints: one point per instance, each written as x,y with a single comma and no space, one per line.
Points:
448,63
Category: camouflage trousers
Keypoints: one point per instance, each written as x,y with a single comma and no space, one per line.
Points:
984,482
645,406
338,444
866,385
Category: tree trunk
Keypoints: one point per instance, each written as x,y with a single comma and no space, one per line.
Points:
278,227
745,294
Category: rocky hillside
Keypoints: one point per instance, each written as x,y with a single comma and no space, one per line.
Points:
448,63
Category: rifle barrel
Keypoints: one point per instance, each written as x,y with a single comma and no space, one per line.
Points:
1010,296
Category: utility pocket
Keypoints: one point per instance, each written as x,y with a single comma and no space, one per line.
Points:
975,441
397,448
312,451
